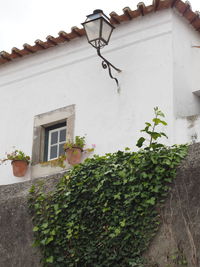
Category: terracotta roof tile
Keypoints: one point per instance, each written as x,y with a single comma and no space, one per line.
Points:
183,8
78,32
142,8
52,40
116,19
64,36
5,55
29,48
40,44
173,2
128,13
17,52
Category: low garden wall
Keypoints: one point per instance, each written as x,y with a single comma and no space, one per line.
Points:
176,244
178,240
16,236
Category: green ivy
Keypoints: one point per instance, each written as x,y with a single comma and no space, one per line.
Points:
104,212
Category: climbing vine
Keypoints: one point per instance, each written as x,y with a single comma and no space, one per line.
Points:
104,212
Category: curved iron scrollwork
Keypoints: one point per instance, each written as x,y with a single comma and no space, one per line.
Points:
106,64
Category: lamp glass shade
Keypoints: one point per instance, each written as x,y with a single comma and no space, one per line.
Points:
92,29
98,29
106,31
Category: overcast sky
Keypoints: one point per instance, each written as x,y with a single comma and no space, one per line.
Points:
24,21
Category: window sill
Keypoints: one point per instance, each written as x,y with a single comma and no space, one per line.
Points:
40,170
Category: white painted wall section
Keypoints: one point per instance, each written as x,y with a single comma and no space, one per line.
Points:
186,60
72,74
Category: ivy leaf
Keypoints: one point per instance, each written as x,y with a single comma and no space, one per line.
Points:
49,240
123,223
35,229
156,189
140,142
151,201
117,196
44,225
56,207
117,231
49,259
122,174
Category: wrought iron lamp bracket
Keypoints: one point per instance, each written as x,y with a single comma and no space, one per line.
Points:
106,64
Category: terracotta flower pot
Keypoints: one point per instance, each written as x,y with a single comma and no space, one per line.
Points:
19,167
74,155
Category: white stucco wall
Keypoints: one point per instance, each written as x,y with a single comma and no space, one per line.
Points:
186,60
187,129
72,74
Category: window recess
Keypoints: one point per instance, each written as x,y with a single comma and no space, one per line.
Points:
55,138
50,132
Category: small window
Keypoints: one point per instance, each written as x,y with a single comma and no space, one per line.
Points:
55,137
51,130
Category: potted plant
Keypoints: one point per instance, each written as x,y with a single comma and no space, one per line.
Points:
74,150
19,162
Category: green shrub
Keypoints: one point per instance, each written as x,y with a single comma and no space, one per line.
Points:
104,212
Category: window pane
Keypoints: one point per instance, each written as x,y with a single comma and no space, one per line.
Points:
61,150
63,135
54,138
53,152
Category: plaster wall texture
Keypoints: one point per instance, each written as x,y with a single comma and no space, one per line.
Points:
71,74
187,129
186,81
186,67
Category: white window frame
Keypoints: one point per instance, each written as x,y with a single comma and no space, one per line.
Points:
57,144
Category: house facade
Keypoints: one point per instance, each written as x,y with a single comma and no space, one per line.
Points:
64,90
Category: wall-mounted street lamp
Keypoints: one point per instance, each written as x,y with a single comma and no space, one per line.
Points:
98,31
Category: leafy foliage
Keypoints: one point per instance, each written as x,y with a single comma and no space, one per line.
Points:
61,160
16,155
79,142
151,132
104,212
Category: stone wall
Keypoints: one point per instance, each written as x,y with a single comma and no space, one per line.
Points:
177,242
16,236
